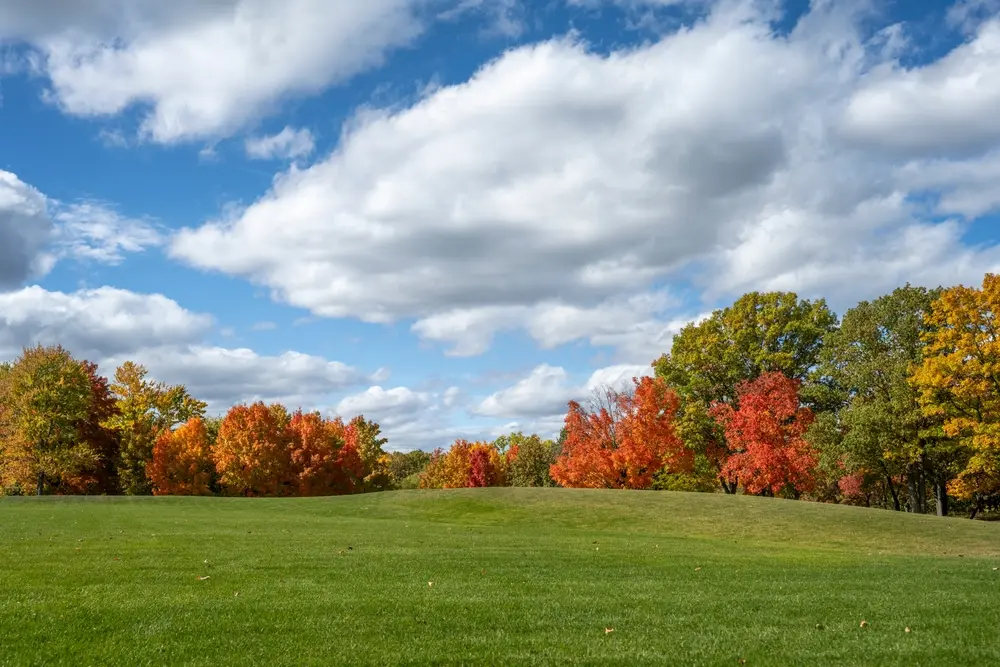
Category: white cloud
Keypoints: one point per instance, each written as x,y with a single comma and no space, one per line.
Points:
411,419
545,392
501,191
946,107
204,69
226,376
25,231
95,231
557,187
109,326
285,145
95,323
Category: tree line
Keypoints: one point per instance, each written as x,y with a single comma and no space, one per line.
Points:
896,405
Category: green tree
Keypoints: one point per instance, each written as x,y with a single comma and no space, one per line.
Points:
144,410
879,430
44,397
403,465
370,444
759,333
529,458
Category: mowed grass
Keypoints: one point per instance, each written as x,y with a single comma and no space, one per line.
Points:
520,576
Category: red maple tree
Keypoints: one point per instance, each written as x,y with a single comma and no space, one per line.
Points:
764,434
622,443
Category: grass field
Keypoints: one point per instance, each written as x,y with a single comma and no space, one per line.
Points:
520,576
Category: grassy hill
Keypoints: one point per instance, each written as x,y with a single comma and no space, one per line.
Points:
520,576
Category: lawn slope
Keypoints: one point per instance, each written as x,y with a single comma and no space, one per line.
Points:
492,576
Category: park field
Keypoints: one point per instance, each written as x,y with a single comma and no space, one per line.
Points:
492,576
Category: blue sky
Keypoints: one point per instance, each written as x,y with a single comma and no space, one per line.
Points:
456,215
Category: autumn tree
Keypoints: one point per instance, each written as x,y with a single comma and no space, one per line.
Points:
405,468
44,397
958,381
529,459
464,464
623,443
182,462
365,436
759,333
322,461
144,410
102,475
879,434
769,454
252,452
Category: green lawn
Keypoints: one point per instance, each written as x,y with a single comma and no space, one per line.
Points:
520,576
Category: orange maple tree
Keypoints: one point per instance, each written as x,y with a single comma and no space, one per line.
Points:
182,461
465,464
764,434
622,444
324,458
252,453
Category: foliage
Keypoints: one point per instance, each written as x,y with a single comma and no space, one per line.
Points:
100,477
182,461
623,443
529,459
45,396
464,464
403,465
252,452
760,333
322,461
364,436
959,381
144,410
768,453
879,432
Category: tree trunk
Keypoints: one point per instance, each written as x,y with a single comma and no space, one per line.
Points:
941,496
913,486
41,482
727,487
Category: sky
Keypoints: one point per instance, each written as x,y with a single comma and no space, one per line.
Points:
454,216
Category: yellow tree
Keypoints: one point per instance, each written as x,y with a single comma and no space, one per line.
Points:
44,397
145,410
959,381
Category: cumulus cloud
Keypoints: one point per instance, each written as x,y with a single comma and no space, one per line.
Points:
288,144
546,390
225,376
109,326
25,231
554,189
95,323
946,107
411,419
203,69
94,231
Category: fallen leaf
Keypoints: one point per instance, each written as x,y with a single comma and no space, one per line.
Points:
429,584
236,594
483,572
204,578
696,569
608,630
996,568
819,626
907,629
864,624
742,661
